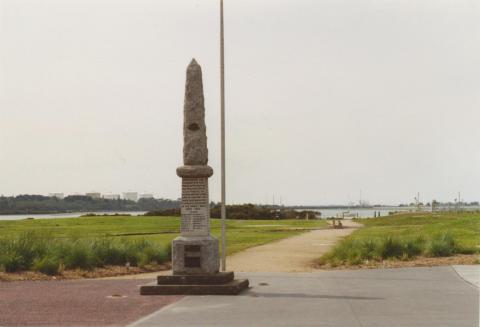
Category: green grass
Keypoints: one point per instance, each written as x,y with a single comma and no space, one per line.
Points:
51,245
39,251
407,236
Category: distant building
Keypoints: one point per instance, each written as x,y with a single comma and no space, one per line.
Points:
132,196
145,196
94,195
56,195
111,196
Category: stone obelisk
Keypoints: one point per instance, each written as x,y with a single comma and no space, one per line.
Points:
195,259
195,250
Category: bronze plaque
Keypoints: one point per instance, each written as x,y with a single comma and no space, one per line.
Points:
192,262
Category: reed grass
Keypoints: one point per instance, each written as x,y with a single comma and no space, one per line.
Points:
41,252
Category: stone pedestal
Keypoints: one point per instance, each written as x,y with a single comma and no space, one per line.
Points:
195,255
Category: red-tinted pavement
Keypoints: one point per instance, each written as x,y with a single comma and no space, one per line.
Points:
76,303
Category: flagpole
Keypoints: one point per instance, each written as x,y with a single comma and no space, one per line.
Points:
222,117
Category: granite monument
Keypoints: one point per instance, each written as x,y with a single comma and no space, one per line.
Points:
195,257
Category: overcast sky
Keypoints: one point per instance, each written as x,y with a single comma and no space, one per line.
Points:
324,99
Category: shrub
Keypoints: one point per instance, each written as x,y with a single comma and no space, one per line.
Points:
47,265
341,251
108,253
19,253
413,247
350,250
369,249
11,262
441,246
132,253
142,252
152,255
354,260
389,247
79,256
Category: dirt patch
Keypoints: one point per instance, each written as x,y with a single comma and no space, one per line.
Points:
108,271
460,259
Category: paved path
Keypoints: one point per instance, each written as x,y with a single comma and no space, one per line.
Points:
470,273
407,297
293,254
438,296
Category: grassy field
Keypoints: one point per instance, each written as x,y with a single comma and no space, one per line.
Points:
407,236
47,244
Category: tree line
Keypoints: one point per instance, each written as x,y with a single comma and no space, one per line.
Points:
245,211
39,204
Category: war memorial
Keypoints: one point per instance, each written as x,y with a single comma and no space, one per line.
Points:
195,257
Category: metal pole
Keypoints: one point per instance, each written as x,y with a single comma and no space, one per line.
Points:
222,117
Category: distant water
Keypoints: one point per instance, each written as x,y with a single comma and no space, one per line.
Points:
370,212
325,213
356,212
68,215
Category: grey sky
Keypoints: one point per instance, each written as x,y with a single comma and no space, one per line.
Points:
324,98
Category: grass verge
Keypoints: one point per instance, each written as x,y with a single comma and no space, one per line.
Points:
407,236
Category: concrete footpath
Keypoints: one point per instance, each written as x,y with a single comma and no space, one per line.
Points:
303,250
437,296
470,273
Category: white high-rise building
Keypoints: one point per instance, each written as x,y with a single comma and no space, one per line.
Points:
132,196
145,196
56,195
94,195
111,196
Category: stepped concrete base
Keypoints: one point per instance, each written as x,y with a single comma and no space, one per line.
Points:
200,279
207,284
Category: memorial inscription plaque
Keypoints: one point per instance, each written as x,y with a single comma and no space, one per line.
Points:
195,207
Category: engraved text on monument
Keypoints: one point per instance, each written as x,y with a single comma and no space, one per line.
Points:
195,207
